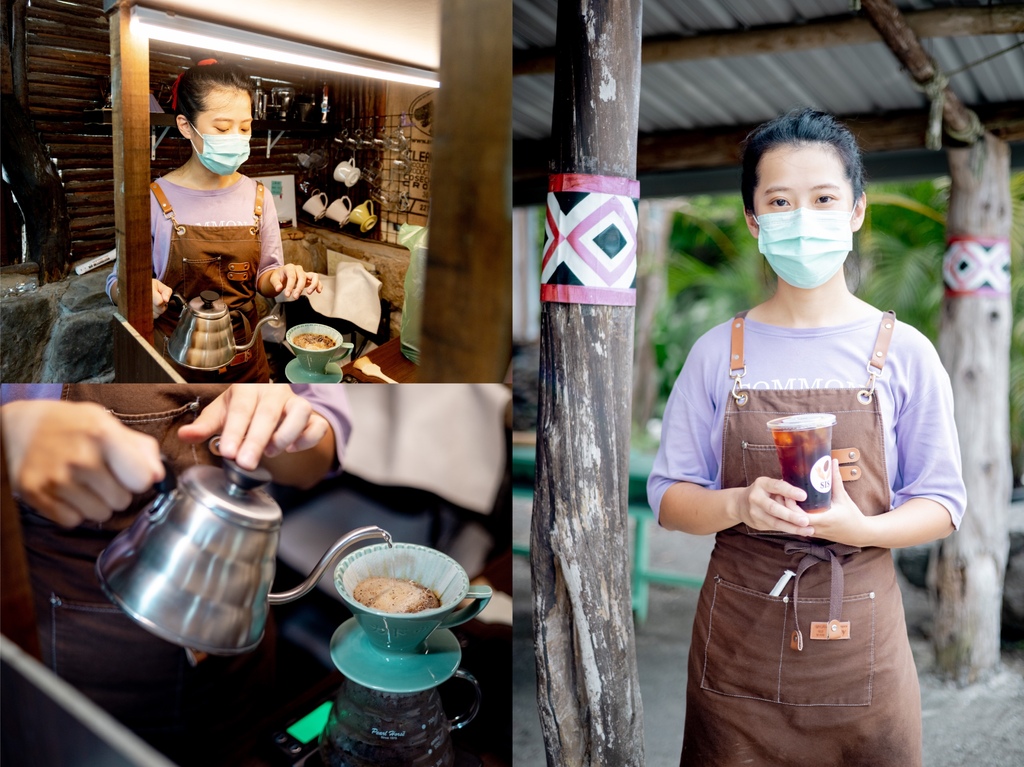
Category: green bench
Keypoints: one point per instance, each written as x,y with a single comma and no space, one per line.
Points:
523,471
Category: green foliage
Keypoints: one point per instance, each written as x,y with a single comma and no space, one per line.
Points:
715,270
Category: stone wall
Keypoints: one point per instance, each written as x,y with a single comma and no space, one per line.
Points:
61,332
57,333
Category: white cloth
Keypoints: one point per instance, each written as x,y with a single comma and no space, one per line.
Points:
448,439
351,294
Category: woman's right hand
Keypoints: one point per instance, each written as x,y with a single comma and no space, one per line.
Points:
74,461
770,504
161,296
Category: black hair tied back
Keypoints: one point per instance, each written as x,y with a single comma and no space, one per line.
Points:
194,85
801,127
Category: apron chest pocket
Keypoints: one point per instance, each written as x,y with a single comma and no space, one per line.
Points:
760,461
747,652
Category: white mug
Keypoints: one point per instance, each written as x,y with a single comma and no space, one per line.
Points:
339,210
316,205
346,172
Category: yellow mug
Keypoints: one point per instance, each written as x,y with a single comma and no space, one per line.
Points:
363,216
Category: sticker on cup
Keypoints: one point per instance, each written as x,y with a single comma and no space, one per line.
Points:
804,445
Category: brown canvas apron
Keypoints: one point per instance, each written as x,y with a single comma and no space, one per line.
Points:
752,697
224,259
142,680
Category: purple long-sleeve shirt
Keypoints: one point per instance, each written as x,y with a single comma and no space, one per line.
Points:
327,400
922,451
231,206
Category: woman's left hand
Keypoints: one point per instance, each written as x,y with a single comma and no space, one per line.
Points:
290,281
844,522
254,420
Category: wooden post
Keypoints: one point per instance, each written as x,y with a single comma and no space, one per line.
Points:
651,279
974,343
587,688
129,71
467,325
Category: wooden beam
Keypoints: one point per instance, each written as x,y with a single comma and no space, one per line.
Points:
822,33
129,70
135,361
721,146
17,609
467,313
901,39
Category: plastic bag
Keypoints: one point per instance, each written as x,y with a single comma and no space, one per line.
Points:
415,239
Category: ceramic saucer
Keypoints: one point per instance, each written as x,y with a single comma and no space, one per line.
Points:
296,373
364,664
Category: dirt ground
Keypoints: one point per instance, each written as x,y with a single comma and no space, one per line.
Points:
977,726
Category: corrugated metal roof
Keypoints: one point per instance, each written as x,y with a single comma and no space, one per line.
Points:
738,90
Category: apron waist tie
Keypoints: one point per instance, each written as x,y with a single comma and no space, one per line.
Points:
813,554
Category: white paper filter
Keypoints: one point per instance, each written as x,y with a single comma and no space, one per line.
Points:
428,567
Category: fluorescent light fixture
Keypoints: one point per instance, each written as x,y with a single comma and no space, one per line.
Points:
171,28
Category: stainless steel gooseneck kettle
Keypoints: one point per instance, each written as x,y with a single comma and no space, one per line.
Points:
203,338
196,566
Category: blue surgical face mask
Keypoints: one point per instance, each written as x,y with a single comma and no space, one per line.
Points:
805,247
223,153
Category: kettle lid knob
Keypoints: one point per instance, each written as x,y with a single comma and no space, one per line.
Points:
245,480
209,296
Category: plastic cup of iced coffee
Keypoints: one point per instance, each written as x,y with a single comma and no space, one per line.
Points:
804,446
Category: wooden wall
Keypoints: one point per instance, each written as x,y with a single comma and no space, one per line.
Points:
68,52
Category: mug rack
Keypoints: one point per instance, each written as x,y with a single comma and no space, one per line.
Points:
395,179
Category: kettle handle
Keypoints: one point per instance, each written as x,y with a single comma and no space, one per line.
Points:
164,493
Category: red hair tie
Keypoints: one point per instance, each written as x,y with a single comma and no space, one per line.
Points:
174,88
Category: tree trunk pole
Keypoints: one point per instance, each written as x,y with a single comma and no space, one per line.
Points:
588,693
974,343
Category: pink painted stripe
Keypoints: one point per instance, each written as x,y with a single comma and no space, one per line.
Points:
581,182
581,294
968,293
988,242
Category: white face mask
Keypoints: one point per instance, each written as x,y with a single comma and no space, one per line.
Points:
805,247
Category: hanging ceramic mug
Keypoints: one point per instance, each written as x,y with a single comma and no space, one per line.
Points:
316,205
347,172
363,216
339,210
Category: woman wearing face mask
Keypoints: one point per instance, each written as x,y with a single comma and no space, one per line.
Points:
765,683
212,227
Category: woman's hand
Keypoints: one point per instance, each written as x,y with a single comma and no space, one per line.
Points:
289,282
74,461
844,522
161,296
268,420
770,504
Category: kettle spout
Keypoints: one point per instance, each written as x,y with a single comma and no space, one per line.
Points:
328,560
273,319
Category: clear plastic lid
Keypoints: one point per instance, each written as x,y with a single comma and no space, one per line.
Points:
802,422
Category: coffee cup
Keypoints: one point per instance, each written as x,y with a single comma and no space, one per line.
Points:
346,172
804,445
363,216
406,632
316,205
315,357
339,210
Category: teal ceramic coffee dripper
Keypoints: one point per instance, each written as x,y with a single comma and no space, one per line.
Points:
407,632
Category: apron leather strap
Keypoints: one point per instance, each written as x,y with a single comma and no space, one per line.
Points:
161,198
737,361
882,341
813,554
258,208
